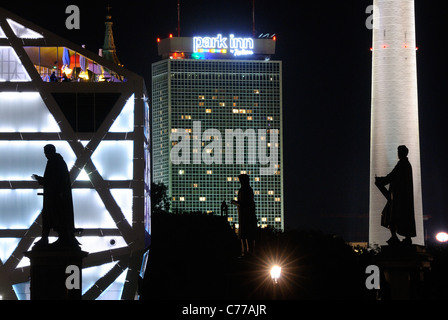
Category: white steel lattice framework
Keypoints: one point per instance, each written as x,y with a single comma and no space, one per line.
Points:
394,112
98,123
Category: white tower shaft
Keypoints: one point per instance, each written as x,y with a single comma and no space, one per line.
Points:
394,113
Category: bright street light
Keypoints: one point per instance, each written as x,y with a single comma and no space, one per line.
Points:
442,237
275,273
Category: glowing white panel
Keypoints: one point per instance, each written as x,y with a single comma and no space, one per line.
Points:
125,121
93,274
19,208
90,211
113,292
15,105
23,32
83,176
114,160
124,199
7,247
22,290
98,244
2,34
12,68
21,159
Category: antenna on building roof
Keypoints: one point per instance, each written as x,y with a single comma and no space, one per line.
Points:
253,18
178,18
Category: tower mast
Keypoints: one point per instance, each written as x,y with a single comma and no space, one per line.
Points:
394,108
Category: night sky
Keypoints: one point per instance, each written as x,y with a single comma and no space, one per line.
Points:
325,49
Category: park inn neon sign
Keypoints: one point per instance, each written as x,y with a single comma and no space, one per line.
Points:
220,44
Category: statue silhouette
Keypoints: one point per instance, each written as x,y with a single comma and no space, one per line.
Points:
57,212
246,215
398,214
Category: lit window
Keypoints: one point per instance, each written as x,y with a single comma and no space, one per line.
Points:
257,179
270,118
222,104
235,111
182,199
209,172
277,199
201,97
202,199
208,110
229,178
270,192
181,171
278,219
256,91
249,118
264,219
230,219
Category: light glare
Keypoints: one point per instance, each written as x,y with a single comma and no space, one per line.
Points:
442,237
275,273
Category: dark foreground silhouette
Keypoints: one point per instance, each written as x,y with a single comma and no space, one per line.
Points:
197,257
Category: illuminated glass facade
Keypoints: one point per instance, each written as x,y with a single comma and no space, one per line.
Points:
202,99
98,121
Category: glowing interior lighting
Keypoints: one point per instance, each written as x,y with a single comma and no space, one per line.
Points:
276,271
84,75
442,237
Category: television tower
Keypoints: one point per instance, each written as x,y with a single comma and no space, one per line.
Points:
394,109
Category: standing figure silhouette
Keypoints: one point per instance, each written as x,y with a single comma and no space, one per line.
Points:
246,215
398,214
57,212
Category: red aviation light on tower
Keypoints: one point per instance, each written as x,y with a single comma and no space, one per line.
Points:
171,35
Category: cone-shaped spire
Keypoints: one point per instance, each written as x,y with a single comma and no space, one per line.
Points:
109,49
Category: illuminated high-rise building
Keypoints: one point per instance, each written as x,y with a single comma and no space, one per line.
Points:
394,115
98,121
217,113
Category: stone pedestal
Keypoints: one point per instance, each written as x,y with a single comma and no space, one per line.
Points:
49,273
404,272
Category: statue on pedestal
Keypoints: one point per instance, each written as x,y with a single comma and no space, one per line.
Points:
398,214
57,212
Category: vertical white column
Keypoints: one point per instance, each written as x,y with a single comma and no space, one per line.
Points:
394,113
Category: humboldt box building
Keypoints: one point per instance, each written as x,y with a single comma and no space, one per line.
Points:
216,114
96,114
